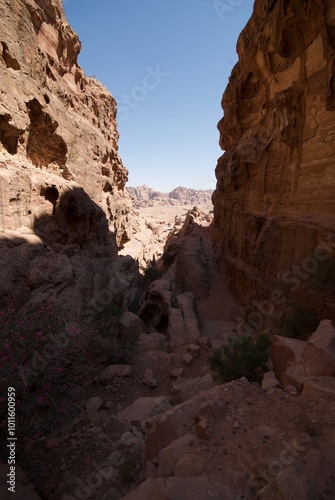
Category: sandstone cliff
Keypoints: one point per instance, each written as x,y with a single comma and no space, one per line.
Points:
274,201
61,178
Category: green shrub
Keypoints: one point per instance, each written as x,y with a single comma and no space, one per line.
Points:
241,358
300,322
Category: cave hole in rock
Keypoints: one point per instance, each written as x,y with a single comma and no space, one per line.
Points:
163,325
108,188
10,61
9,135
51,194
44,145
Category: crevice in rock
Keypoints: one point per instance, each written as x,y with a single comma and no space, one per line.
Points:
10,61
50,193
9,135
44,146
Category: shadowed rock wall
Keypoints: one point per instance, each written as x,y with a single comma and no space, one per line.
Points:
274,203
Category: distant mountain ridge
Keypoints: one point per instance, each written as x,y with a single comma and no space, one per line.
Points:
145,196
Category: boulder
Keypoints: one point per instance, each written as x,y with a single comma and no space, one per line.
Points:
269,381
205,343
284,350
318,356
168,457
186,304
189,465
194,350
177,372
107,375
187,359
142,408
176,327
157,304
148,378
94,404
116,427
319,387
159,361
151,341
294,375
184,389
130,322
292,484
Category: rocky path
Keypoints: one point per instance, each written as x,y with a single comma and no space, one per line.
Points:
162,428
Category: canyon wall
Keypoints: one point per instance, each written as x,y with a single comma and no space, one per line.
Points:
274,203
63,202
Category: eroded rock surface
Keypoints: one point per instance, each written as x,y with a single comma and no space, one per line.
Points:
274,200
61,177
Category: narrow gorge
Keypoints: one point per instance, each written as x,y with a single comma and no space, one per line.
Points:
168,346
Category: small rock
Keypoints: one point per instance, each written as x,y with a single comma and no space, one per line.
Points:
204,370
190,465
202,429
291,390
244,381
107,375
151,470
109,405
205,343
128,440
187,359
92,416
149,379
269,381
94,404
177,372
194,350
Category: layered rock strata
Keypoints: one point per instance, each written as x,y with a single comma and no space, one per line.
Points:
274,201
61,178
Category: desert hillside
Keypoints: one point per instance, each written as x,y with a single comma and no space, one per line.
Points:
144,196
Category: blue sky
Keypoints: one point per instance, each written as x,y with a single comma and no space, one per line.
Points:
167,63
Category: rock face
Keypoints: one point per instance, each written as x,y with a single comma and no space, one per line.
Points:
60,174
308,366
274,199
145,196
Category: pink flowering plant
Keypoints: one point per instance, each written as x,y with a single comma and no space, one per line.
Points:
42,355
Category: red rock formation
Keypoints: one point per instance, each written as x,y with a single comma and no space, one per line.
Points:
63,206
57,127
274,200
